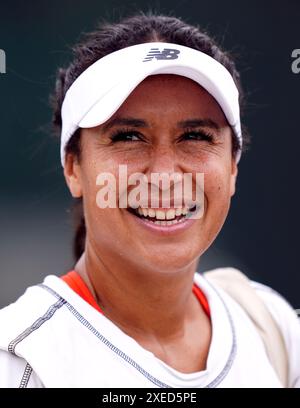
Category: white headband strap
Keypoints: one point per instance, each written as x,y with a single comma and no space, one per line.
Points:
102,88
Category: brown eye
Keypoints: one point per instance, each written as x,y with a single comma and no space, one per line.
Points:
197,135
125,136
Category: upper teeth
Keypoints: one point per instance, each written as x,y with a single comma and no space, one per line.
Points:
162,214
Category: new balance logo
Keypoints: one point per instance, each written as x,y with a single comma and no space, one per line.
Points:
165,54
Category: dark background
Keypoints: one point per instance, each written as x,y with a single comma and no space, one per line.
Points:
261,234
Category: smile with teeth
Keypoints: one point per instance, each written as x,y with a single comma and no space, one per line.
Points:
160,216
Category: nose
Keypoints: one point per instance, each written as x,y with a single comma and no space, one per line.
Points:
164,176
163,160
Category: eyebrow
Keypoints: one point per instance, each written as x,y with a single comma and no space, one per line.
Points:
135,122
125,121
205,122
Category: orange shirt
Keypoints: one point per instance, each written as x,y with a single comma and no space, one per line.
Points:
74,280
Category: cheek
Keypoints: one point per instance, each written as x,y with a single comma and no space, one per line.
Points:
114,167
98,163
217,188
97,219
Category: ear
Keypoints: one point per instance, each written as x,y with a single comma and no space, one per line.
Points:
233,176
73,175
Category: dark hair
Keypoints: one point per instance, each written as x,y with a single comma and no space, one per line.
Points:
109,37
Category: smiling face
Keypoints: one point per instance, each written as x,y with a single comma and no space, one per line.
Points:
178,127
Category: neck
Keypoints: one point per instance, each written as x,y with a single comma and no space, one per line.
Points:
140,301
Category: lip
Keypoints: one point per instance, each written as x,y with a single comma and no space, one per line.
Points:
164,230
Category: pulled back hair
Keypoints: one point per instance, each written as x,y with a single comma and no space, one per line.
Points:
109,37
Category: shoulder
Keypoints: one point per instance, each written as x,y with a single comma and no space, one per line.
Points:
15,372
283,313
276,302
28,308
232,280
18,320
236,285
289,324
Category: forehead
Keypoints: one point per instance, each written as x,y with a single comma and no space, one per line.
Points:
170,95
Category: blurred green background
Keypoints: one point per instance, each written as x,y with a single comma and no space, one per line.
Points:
261,234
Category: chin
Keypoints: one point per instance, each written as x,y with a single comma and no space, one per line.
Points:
166,262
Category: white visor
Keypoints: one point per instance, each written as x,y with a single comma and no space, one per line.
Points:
102,88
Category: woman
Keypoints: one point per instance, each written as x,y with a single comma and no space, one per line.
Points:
156,96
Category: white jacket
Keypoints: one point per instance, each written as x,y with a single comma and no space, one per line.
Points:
51,337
